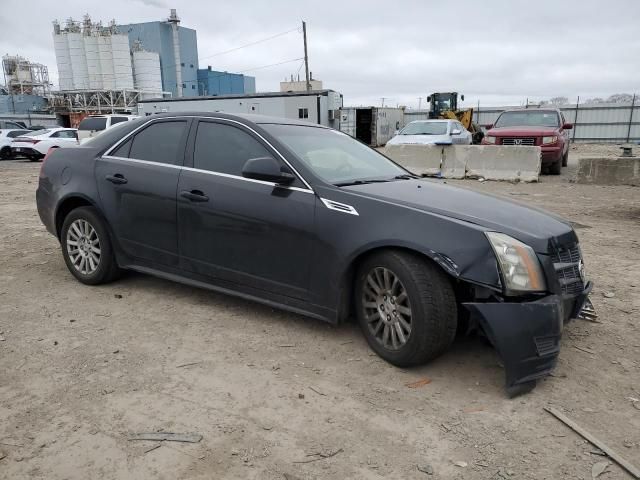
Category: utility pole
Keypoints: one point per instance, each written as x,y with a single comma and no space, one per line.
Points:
306,57
419,103
383,98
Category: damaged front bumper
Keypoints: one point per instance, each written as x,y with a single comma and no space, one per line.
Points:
527,334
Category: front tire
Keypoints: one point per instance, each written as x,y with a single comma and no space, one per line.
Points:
86,247
565,159
406,307
556,167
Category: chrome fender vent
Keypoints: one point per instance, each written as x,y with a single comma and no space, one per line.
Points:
339,207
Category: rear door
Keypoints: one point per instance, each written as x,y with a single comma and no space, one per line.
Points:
249,232
137,184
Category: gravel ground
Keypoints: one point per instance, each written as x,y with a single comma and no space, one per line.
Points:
278,396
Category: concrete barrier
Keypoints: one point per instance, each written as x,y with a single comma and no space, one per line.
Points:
609,171
512,163
419,159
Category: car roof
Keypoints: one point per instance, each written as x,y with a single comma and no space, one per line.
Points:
239,117
434,120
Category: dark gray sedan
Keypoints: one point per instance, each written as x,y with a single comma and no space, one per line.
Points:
307,219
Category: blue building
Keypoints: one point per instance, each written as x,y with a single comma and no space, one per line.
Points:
212,83
158,37
21,104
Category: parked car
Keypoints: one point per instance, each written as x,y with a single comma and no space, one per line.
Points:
35,145
307,219
10,124
546,128
6,137
437,132
94,125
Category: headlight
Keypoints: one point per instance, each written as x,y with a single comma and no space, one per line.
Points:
548,140
490,139
519,265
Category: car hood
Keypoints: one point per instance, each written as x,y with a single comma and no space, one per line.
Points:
521,131
419,139
537,228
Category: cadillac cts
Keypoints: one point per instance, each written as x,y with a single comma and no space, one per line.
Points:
305,218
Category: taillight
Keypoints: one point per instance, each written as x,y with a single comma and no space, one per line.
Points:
25,140
49,152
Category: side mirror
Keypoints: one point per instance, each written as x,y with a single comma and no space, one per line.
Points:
267,169
456,132
489,126
462,97
429,98
567,126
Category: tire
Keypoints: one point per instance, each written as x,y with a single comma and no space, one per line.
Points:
5,153
430,300
565,159
81,224
556,167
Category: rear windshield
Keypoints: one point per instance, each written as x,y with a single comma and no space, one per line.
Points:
425,128
528,118
37,133
93,123
17,133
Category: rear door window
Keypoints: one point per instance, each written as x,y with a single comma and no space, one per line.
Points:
161,142
115,120
225,149
93,123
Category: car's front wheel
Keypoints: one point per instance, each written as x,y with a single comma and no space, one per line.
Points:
406,307
87,248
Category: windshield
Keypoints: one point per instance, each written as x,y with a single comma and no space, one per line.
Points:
334,156
93,123
425,128
528,118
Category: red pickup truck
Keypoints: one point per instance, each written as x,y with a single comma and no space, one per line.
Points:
545,128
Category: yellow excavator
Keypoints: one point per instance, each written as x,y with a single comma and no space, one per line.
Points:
444,105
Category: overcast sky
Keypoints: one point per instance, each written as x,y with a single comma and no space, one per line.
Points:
498,52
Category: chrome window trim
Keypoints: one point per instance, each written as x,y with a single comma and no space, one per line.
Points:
208,172
126,137
253,180
339,207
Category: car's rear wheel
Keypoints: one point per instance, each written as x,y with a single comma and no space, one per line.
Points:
406,307
5,153
87,248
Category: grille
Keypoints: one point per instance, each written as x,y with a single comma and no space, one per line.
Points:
528,141
566,261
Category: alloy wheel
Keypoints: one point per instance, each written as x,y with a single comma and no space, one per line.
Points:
387,308
83,246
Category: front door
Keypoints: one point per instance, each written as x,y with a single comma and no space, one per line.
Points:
137,186
248,232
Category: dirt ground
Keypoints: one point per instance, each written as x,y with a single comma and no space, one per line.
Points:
278,396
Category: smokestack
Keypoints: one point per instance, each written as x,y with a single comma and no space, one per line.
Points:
174,21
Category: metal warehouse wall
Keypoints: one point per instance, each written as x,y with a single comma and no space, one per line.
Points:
602,122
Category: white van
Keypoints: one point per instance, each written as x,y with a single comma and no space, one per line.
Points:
94,125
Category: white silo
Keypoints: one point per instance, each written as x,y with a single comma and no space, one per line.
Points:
93,61
78,60
61,48
121,61
106,61
146,71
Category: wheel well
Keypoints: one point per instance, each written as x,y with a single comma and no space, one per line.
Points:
347,307
67,206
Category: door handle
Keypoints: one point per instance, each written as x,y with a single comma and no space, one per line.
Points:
194,195
118,179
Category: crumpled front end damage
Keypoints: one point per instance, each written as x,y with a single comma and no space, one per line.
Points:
527,334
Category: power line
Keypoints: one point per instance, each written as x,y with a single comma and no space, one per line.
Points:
250,44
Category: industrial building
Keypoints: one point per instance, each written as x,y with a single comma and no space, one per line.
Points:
212,82
26,86
177,47
321,106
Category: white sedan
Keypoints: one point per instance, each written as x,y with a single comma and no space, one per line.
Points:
6,138
434,132
35,145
